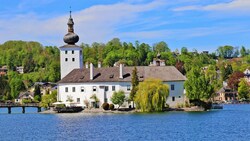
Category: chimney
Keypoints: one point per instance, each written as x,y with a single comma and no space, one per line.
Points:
87,65
91,71
121,71
99,64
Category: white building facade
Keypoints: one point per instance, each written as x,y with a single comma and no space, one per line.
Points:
79,84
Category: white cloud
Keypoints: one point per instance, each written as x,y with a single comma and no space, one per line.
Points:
234,5
97,23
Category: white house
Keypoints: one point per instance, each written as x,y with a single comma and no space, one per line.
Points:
79,84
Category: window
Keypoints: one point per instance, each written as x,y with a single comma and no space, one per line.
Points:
106,88
94,88
66,59
113,88
172,87
82,89
73,89
72,51
78,100
173,98
73,59
128,87
179,96
66,52
66,89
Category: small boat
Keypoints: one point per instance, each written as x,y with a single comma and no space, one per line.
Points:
67,107
217,106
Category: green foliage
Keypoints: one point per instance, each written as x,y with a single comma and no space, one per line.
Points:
234,80
16,84
37,93
26,101
225,51
151,95
105,106
135,82
111,106
95,98
118,98
243,89
48,99
198,86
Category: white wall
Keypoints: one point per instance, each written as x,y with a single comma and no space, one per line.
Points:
177,93
88,91
68,66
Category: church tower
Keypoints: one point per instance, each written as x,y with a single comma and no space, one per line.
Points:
70,54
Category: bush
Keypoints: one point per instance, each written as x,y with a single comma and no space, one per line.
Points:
180,105
25,101
105,106
111,106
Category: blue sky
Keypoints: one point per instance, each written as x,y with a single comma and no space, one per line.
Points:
199,24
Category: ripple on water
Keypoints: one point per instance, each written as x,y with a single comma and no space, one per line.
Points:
231,123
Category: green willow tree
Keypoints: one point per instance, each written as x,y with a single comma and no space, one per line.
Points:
198,87
151,95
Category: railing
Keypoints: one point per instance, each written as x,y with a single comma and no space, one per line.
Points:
19,105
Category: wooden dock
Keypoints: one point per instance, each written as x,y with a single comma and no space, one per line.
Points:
23,106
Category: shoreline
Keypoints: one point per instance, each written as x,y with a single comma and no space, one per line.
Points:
98,111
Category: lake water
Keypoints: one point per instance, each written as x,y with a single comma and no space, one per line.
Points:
230,124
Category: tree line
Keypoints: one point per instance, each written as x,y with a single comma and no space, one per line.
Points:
42,63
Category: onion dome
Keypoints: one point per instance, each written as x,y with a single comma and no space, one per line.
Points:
71,38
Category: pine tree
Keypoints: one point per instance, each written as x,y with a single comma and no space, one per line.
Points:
135,82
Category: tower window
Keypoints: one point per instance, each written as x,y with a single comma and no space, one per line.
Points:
66,59
73,52
94,88
82,89
66,52
73,59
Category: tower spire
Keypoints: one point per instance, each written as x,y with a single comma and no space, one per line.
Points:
70,37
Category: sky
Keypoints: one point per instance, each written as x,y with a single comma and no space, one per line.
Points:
195,24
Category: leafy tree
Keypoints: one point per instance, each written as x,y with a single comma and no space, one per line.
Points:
48,99
37,93
184,50
135,82
180,67
243,89
151,95
228,71
161,47
234,80
118,98
198,86
243,51
225,51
